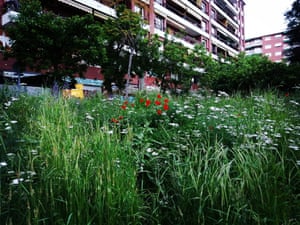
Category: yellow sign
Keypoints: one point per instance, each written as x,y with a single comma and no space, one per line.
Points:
77,92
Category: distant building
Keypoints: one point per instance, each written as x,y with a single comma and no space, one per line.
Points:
272,45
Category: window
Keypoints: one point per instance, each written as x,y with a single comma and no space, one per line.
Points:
140,10
278,36
159,22
203,7
269,54
268,46
204,25
277,53
278,44
267,38
204,43
214,49
213,14
213,31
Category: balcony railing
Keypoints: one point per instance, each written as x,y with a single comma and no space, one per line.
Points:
180,12
222,5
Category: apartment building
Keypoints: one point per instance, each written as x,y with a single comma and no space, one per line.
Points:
272,45
217,24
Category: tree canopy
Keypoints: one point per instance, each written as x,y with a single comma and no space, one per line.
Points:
65,46
124,36
293,32
56,45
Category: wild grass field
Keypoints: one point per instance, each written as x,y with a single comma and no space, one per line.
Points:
152,159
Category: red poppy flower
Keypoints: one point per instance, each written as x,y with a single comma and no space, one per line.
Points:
166,100
166,107
121,117
114,120
125,103
158,96
148,102
141,100
157,102
132,105
159,112
123,107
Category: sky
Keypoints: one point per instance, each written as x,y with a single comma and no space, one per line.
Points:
264,17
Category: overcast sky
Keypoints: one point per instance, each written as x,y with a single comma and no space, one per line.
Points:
265,16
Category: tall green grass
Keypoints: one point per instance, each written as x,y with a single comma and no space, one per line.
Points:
201,160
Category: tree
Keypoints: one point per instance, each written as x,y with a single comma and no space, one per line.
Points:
123,35
178,67
148,58
293,32
60,47
246,73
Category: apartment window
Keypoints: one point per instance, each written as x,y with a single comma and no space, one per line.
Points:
214,49
159,22
213,31
267,38
204,43
203,7
268,46
269,54
277,53
139,10
278,36
213,14
204,25
278,44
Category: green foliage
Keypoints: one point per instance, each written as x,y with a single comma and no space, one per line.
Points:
293,32
149,55
125,31
246,73
203,160
61,46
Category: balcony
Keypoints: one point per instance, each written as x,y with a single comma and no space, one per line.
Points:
227,41
9,17
225,8
92,6
253,44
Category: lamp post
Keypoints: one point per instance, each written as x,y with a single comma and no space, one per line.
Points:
128,73
132,44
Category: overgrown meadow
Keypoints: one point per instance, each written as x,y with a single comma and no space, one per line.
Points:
152,159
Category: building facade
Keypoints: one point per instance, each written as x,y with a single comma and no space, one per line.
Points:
272,45
217,24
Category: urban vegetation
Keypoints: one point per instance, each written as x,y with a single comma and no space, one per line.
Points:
155,159
227,154
293,32
122,46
